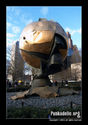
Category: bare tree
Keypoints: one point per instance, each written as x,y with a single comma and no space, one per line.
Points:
34,71
27,68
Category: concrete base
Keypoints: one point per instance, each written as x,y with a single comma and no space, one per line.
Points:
41,88
40,82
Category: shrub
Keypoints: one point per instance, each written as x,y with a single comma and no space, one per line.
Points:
33,112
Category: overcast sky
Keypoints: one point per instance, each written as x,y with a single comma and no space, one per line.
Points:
17,17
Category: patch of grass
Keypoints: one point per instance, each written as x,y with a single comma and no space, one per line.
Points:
33,112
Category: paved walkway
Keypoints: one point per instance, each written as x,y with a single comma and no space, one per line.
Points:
42,102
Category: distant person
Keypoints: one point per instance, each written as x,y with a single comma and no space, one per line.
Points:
19,82
27,83
16,83
49,117
7,82
66,82
10,84
58,91
55,83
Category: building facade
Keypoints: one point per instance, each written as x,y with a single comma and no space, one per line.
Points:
17,63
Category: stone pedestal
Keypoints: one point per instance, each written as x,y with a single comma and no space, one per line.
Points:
42,88
42,82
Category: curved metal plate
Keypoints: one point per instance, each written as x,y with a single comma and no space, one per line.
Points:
39,55
41,26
